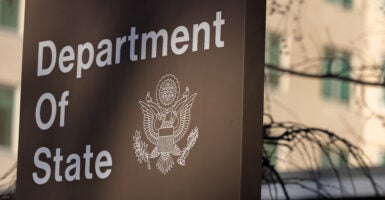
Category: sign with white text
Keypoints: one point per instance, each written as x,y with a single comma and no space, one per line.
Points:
132,99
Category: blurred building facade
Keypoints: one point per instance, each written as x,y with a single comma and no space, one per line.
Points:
11,33
304,37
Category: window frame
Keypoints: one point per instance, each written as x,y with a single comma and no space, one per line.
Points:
336,61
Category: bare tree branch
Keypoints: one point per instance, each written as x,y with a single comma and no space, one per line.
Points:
303,140
324,75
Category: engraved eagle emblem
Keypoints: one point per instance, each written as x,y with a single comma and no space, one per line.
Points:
166,120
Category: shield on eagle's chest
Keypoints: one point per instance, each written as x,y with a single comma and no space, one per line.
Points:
165,140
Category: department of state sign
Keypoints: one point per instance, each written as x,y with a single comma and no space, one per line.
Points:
129,99
165,122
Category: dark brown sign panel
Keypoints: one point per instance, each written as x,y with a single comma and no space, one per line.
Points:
142,100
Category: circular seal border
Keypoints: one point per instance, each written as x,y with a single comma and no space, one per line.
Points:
165,77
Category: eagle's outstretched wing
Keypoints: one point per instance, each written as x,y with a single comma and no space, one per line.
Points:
150,110
183,108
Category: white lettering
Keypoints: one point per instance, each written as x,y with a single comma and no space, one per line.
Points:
57,159
139,46
81,65
175,39
49,69
119,43
154,38
71,170
42,165
132,38
62,104
67,54
197,28
87,156
106,156
73,167
39,122
218,30
107,52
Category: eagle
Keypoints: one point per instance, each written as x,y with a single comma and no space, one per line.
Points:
165,126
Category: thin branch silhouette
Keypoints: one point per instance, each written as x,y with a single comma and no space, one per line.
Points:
299,138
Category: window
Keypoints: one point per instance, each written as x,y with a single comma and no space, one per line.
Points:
6,105
271,152
337,63
9,13
336,159
345,3
272,56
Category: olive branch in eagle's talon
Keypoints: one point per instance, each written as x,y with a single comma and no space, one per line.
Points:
140,148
